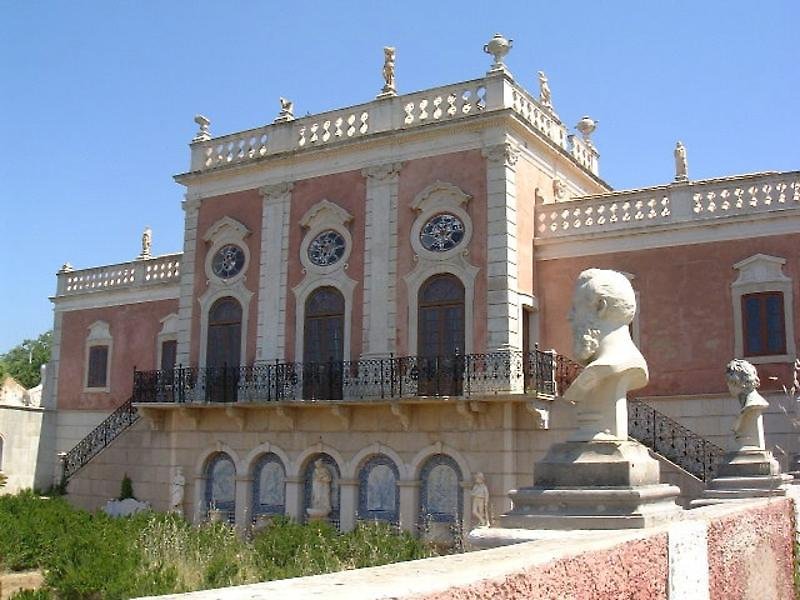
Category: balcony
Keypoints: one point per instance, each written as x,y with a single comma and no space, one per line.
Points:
541,374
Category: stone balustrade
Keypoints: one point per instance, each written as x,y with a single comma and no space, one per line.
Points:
663,205
137,273
456,101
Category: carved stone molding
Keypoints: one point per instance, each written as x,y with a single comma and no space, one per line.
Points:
343,413
382,172
508,153
403,413
469,409
237,414
276,191
540,413
286,413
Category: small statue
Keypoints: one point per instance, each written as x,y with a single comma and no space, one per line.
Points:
681,165
320,490
480,501
545,98
287,111
177,487
388,71
742,379
603,306
147,243
203,133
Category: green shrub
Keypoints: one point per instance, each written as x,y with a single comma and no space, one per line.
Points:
126,488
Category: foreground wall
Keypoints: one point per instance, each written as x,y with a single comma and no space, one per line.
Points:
716,553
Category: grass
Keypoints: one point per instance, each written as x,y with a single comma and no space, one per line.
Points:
93,556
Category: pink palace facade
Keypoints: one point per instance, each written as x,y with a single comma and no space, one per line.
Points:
379,286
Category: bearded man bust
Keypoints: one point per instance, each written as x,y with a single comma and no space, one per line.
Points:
603,307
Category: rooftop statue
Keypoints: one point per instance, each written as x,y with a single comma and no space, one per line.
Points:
545,98
603,306
743,382
389,88
681,165
287,110
147,243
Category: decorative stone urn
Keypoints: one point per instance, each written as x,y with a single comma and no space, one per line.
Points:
586,127
498,47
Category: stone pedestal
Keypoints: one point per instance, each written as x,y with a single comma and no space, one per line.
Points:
743,474
593,485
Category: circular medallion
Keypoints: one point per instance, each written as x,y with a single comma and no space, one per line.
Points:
228,261
441,232
327,248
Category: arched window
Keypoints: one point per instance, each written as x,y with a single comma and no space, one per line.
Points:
440,490
378,494
323,344
330,487
223,350
441,335
221,485
269,486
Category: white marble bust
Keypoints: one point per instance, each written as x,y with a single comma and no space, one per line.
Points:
743,382
603,306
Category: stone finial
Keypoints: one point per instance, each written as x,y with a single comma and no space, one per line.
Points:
203,134
498,47
586,127
681,165
545,98
286,113
389,88
66,268
147,244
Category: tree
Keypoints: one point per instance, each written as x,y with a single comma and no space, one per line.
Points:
23,362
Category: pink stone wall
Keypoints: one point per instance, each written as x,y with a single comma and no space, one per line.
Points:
246,208
529,180
467,170
134,329
686,311
348,190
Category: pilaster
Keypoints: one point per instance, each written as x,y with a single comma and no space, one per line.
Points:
348,502
294,498
273,278
191,206
244,486
503,306
380,260
409,504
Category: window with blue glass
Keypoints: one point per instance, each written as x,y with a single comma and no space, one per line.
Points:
764,326
269,486
220,493
378,494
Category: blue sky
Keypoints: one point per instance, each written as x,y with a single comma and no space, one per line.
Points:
97,99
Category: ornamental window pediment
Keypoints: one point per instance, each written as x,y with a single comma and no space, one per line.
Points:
228,255
327,242
443,228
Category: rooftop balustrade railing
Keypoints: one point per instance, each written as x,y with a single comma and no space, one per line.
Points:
538,372
136,273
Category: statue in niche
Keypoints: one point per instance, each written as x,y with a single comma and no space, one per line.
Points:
603,306
389,88
320,491
681,165
743,382
176,491
480,501
147,243
545,98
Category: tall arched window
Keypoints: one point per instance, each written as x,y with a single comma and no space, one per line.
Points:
441,335
378,494
223,350
221,485
332,486
440,490
323,344
269,486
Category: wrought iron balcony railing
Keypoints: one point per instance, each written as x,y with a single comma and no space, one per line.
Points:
537,372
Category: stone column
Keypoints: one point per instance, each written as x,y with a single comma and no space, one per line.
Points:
199,508
348,503
380,261
191,206
409,504
503,306
243,495
294,498
273,279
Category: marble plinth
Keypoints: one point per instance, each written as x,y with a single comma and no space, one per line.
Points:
742,475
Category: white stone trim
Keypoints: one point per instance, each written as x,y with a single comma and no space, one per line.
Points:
271,340
249,461
763,273
214,292
687,552
323,216
379,334
503,305
223,232
376,448
191,206
50,389
299,463
201,462
99,335
424,270
438,198
122,297
169,331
